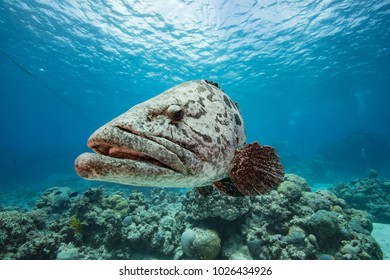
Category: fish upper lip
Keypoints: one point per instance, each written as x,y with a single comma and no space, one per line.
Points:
110,150
132,145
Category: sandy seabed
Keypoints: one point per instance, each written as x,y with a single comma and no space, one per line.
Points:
381,235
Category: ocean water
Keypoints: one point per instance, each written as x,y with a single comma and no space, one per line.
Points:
311,77
305,73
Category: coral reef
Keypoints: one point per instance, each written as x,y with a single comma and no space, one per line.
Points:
369,194
215,205
22,236
289,222
56,199
317,225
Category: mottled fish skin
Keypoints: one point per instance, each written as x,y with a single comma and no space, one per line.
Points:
185,137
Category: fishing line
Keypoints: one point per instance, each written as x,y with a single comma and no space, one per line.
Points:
70,105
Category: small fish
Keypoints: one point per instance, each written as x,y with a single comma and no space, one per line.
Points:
191,135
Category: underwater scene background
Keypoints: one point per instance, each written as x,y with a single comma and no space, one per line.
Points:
311,79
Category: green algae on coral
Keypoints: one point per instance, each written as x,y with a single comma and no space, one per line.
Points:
75,224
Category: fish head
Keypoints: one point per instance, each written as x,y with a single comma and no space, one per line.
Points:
185,137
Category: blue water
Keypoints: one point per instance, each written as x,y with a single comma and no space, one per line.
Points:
305,74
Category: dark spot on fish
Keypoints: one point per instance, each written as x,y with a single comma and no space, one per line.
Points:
201,101
238,120
206,138
185,133
151,116
187,105
57,193
217,129
208,88
210,96
200,113
223,122
201,88
197,115
232,103
227,101
218,140
224,139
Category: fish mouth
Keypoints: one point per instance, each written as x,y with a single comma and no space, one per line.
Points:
121,150
118,151
129,154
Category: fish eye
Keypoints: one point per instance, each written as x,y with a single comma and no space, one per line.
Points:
175,113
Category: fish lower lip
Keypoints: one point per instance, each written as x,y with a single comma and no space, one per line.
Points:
95,166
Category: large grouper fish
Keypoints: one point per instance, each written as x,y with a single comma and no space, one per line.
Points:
191,135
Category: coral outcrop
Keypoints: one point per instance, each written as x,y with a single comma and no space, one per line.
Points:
289,222
214,204
370,194
56,199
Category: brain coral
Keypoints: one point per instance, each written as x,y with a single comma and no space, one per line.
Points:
201,243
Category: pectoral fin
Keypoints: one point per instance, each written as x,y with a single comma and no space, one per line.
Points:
255,169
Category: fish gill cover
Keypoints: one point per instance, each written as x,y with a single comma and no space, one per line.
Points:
310,78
